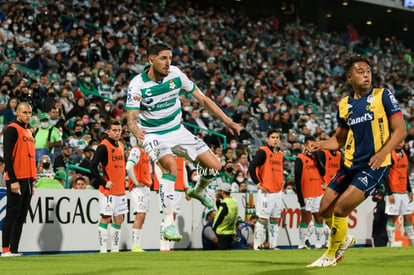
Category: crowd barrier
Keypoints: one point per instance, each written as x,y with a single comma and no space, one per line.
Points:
67,221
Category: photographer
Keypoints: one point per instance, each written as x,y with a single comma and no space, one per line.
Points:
379,232
44,168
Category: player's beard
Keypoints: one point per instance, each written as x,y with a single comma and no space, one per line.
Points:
159,73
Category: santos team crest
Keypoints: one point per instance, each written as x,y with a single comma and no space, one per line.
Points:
172,85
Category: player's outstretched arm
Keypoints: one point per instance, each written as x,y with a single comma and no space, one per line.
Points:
334,143
208,104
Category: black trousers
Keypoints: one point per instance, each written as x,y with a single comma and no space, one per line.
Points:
379,225
224,241
16,212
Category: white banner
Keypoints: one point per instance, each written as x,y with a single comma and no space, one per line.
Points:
67,220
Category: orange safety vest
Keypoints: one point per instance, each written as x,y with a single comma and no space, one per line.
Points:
270,174
24,163
141,170
311,180
179,181
332,165
114,170
397,177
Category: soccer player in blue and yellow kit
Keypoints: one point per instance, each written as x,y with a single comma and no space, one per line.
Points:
366,119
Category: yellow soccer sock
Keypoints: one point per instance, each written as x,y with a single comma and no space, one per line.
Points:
338,234
329,222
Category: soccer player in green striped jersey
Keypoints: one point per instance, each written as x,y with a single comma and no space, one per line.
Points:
154,117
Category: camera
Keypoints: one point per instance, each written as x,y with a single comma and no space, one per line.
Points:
377,195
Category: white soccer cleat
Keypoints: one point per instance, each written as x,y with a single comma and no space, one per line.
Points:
323,261
348,242
9,254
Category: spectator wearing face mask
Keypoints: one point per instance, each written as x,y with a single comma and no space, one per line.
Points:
289,187
78,143
195,119
64,160
49,100
238,179
106,110
85,163
44,168
193,178
227,175
46,138
119,109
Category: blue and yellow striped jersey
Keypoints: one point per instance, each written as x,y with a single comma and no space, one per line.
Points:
367,121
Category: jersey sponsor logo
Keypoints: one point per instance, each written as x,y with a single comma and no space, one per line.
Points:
147,92
364,118
117,158
381,130
163,105
275,162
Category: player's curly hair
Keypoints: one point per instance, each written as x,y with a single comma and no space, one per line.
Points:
354,59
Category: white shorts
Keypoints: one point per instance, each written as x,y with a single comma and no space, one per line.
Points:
113,205
180,142
140,199
401,205
312,204
269,205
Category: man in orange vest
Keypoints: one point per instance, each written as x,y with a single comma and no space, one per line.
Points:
20,166
266,170
332,162
180,189
140,181
308,170
399,196
113,204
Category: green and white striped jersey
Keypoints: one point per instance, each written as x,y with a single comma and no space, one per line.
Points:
158,102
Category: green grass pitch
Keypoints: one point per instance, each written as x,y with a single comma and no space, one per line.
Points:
357,261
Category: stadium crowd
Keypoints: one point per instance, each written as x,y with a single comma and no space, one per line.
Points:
72,61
